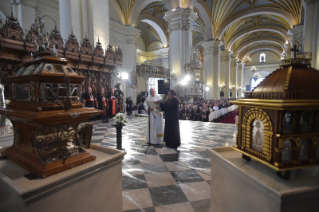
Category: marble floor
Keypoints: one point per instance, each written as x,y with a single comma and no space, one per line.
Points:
163,180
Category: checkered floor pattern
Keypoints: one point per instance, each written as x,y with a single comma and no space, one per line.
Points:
163,180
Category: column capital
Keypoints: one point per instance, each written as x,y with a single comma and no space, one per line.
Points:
233,62
308,2
240,65
296,30
180,19
225,55
212,47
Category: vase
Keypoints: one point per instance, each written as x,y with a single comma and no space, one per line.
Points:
119,135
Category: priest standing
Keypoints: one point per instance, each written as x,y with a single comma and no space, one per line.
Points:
156,120
171,132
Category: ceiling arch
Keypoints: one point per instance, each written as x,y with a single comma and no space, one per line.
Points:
264,47
158,29
139,7
118,11
278,30
257,40
148,34
200,30
265,50
197,37
254,12
206,19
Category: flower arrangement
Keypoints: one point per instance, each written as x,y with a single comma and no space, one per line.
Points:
121,118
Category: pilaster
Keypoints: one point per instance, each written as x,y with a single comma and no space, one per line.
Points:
308,24
233,77
240,76
225,71
180,27
212,67
24,11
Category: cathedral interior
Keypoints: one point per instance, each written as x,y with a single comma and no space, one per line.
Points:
257,61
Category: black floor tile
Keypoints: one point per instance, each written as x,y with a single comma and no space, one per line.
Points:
167,195
199,163
188,176
204,154
169,157
97,134
201,205
150,168
150,151
131,161
134,182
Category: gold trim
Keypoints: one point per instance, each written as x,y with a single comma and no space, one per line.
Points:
288,78
159,135
278,169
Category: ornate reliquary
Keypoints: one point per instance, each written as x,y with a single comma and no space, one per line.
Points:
279,119
46,113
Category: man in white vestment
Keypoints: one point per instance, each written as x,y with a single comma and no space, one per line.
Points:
156,128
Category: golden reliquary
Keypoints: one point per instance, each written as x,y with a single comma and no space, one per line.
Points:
279,120
46,113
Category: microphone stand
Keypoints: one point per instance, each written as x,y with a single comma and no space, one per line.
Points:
149,127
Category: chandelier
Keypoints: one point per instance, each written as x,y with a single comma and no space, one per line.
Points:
256,73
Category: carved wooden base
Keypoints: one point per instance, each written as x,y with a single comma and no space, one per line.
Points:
42,170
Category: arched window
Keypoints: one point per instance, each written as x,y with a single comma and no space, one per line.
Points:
304,148
286,152
262,58
288,123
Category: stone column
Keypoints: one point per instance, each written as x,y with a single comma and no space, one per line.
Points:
309,6
233,77
98,21
212,67
129,58
180,27
24,11
65,18
317,48
315,37
240,76
225,72
85,16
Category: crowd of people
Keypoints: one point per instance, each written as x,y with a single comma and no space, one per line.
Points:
200,110
195,111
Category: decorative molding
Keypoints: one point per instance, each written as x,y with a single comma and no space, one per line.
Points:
180,19
212,47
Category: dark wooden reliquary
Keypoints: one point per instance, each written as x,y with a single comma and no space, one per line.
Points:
46,113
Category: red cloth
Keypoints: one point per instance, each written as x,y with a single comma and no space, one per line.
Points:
113,106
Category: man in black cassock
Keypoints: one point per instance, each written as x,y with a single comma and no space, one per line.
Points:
89,98
101,98
171,132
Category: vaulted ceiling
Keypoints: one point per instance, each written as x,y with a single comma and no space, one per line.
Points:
241,24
